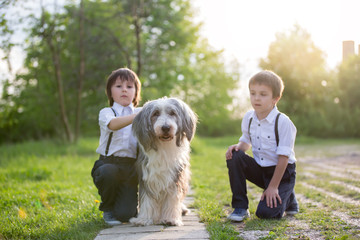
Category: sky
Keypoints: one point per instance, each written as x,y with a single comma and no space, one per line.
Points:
245,28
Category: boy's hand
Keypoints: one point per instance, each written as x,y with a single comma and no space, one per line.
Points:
271,195
230,149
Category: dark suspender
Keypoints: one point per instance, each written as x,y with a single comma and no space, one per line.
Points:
110,136
276,129
249,128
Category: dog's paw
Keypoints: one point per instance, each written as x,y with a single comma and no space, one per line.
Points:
141,221
172,222
184,209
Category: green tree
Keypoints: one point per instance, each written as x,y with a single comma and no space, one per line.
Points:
349,97
207,84
158,39
309,89
6,31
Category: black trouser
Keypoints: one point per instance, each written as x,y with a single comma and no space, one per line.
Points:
242,167
117,183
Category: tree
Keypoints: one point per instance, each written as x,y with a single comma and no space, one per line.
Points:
6,32
349,85
156,38
50,31
349,82
309,89
81,69
206,85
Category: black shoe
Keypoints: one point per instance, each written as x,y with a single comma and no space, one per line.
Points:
110,219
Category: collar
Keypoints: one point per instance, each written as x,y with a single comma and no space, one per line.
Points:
119,108
270,117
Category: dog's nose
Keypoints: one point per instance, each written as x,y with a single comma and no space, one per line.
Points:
165,128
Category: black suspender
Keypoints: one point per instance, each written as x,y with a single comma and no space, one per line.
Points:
110,136
249,128
276,129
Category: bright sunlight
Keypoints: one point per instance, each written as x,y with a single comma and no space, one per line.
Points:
246,28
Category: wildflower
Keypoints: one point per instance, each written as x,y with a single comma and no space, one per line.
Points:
97,201
21,212
43,199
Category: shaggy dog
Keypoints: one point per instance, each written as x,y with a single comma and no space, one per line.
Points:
164,129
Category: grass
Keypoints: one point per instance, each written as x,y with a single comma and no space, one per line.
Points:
213,194
47,192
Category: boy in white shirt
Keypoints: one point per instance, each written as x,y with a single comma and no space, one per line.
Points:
114,174
272,137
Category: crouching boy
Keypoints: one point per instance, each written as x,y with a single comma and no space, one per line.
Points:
271,135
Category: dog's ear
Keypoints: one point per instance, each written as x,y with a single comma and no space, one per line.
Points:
143,129
188,120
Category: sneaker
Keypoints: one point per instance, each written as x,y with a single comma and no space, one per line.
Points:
110,219
293,208
239,214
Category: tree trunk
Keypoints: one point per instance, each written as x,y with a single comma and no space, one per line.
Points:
47,34
137,14
138,45
59,82
81,70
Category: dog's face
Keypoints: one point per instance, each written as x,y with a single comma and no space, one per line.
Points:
163,120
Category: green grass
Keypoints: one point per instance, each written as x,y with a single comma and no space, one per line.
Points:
46,191
213,194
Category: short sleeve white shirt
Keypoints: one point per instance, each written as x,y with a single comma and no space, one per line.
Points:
123,142
262,137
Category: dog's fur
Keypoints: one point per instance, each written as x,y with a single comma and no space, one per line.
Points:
164,129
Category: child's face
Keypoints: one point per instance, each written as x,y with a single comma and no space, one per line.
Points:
123,92
262,100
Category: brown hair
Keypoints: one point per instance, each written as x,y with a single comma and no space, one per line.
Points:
124,74
270,79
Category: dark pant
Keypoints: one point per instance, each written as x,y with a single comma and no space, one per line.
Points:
242,167
117,183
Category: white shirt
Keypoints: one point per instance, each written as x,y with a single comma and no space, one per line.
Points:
123,142
263,140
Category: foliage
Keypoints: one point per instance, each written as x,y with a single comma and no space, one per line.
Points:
311,92
157,39
349,97
349,77
5,29
206,86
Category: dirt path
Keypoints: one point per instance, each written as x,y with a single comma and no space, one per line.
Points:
333,195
